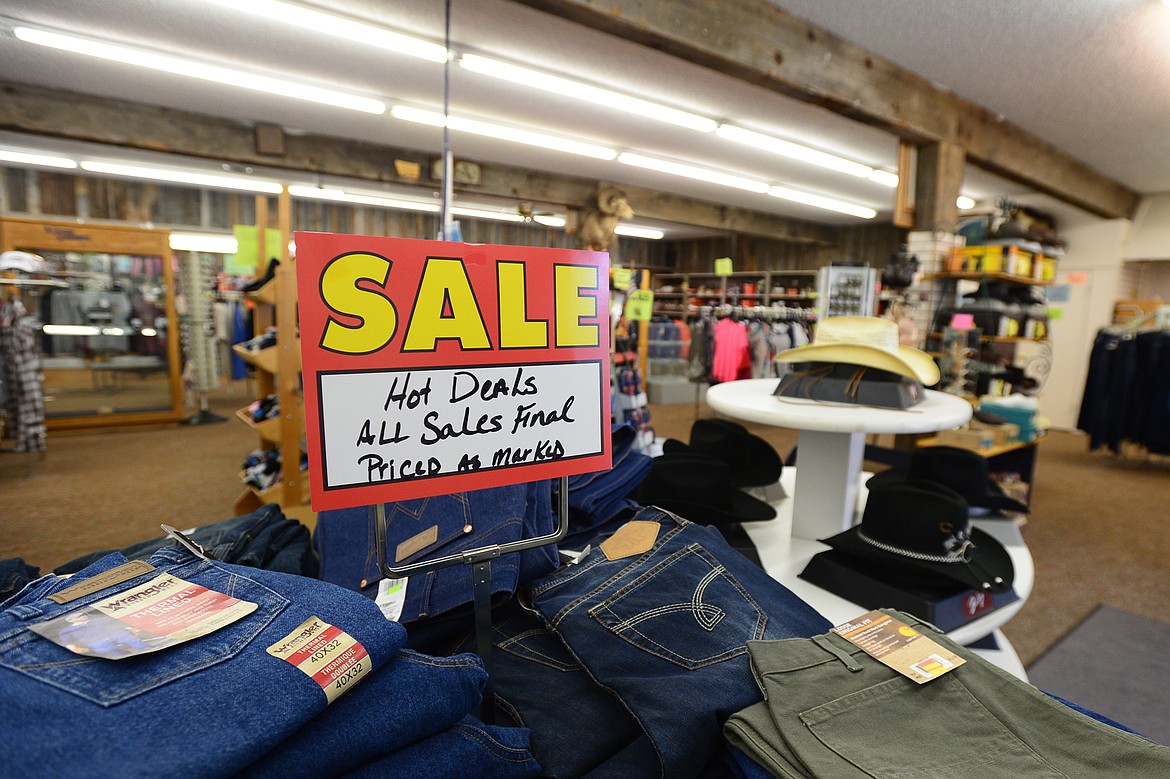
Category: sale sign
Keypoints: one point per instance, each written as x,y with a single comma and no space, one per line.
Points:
433,367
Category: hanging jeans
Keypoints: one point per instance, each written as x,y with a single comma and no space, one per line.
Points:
666,630
830,710
205,708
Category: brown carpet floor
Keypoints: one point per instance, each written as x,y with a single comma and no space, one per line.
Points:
1099,530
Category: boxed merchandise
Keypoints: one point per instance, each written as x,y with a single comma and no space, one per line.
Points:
990,259
966,438
1023,416
871,587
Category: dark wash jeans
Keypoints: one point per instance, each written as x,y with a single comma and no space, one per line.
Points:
666,630
205,708
346,542
265,538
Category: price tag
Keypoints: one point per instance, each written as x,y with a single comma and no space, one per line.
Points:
640,306
724,266
899,646
326,654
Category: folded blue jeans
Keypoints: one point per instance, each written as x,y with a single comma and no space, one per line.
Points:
427,528
15,573
467,749
666,630
413,697
264,538
205,708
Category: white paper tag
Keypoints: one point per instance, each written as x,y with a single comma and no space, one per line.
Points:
391,597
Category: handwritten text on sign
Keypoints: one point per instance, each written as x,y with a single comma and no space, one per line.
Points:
434,367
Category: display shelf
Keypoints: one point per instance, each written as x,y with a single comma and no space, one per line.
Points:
270,429
784,555
989,276
269,359
831,442
266,294
771,286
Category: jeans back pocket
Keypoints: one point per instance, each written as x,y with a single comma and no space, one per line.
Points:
109,682
688,609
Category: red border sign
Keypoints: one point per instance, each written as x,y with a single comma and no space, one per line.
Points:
432,367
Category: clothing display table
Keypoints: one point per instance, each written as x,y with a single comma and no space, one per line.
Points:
831,443
784,555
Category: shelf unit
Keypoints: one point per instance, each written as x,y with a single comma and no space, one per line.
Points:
746,288
278,371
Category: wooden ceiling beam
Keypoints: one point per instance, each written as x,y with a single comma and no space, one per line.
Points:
757,42
54,113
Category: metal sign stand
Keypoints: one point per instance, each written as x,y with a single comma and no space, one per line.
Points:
480,559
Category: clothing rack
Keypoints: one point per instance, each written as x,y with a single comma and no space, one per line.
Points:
778,313
1158,319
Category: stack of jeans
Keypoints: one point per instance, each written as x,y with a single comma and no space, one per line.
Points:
831,710
14,574
664,627
263,539
222,704
598,501
427,528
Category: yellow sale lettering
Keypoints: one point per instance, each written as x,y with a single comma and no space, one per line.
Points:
373,309
355,287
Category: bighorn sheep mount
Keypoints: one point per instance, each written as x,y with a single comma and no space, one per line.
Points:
598,224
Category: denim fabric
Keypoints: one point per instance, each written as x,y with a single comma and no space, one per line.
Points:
595,498
413,697
262,539
205,708
743,767
832,710
468,749
667,630
14,574
1093,714
576,724
346,542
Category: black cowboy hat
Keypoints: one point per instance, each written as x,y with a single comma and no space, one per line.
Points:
753,461
962,470
922,531
700,489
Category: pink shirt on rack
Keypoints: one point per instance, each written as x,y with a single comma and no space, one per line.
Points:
731,344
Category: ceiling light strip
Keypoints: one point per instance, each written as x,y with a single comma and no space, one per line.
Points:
634,231
204,242
341,196
193,69
693,172
33,158
586,92
827,203
503,133
197,178
349,29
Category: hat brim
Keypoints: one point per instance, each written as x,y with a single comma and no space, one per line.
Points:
989,559
908,362
757,465
994,498
744,508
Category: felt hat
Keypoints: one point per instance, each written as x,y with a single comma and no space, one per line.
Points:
753,461
961,470
865,340
699,488
922,531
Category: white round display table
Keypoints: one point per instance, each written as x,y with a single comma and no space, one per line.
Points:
831,443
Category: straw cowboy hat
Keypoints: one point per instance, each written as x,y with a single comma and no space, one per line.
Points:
868,341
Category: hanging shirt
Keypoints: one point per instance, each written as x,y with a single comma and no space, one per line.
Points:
23,379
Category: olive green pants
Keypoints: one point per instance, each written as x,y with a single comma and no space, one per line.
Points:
830,710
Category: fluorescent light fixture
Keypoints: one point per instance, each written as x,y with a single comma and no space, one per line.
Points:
884,177
634,231
693,172
113,331
792,150
827,203
197,178
964,202
341,196
482,213
581,91
193,69
350,30
202,242
500,132
548,220
30,158
70,330
148,331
